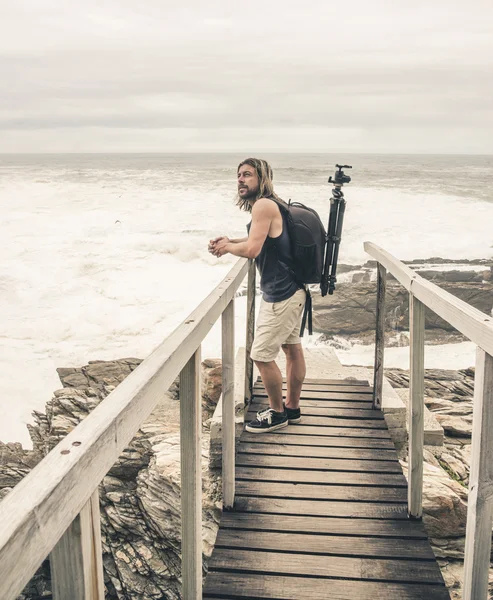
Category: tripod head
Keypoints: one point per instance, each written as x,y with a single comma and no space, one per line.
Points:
340,178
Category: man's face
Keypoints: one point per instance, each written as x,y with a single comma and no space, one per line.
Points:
247,182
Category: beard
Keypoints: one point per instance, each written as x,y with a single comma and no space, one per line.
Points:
248,194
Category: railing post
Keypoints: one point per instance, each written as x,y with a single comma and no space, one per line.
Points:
416,406
379,337
228,412
250,328
76,561
191,478
480,502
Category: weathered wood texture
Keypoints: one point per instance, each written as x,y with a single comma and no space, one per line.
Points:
480,503
228,408
478,327
474,324
379,338
38,511
191,478
250,329
76,562
416,406
322,515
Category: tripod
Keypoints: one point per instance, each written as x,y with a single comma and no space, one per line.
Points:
334,230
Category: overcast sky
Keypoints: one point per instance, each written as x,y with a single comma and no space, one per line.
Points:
161,75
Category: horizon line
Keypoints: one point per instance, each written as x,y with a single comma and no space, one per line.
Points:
289,152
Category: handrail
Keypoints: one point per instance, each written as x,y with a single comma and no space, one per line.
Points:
474,324
478,327
42,507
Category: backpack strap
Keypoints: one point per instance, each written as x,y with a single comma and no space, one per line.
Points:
307,313
308,310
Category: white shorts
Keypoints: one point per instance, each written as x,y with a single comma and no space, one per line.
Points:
278,323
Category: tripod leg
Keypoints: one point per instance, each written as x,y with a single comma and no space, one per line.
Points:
329,248
340,219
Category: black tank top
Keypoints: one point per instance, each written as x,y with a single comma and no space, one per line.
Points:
274,262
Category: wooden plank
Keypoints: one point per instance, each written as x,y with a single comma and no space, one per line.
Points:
76,561
250,328
319,508
249,585
416,406
348,493
323,421
41,507
313,440
308,565
310,387
191,478
332,395
317,464
313,451
228,405
333,410
379,337
313,431
405,529
480,503
404,274
474,324
324,382
309,476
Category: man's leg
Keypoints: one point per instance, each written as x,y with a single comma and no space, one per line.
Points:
272,378
295,372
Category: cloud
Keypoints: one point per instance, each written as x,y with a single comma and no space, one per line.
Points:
88,75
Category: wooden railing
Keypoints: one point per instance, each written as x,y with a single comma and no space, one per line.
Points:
478,327
55,509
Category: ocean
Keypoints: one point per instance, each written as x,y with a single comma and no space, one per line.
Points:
104,255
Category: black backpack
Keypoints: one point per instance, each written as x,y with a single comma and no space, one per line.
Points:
308,239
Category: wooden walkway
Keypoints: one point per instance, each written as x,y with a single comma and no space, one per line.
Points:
321,509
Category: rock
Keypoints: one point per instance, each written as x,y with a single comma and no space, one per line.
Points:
140,495
433,431
457,462
98,373
342,268
444,511
211,384
453,575
361,277
439,383
455,425
351,310
453,275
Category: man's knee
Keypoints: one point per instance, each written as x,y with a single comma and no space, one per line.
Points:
264,363
293,351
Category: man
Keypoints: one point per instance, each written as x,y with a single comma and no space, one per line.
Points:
283,300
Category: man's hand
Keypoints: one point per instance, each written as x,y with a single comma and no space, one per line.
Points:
220,246
216,246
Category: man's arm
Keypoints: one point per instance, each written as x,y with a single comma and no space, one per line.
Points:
223,239
263,212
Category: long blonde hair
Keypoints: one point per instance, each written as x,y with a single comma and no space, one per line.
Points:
265,185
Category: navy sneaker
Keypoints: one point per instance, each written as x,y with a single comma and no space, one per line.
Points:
268,420
294,415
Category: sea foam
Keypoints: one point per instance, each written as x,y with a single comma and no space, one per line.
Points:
101,261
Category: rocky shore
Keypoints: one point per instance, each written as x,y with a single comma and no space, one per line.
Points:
449,396
140,496
350,313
